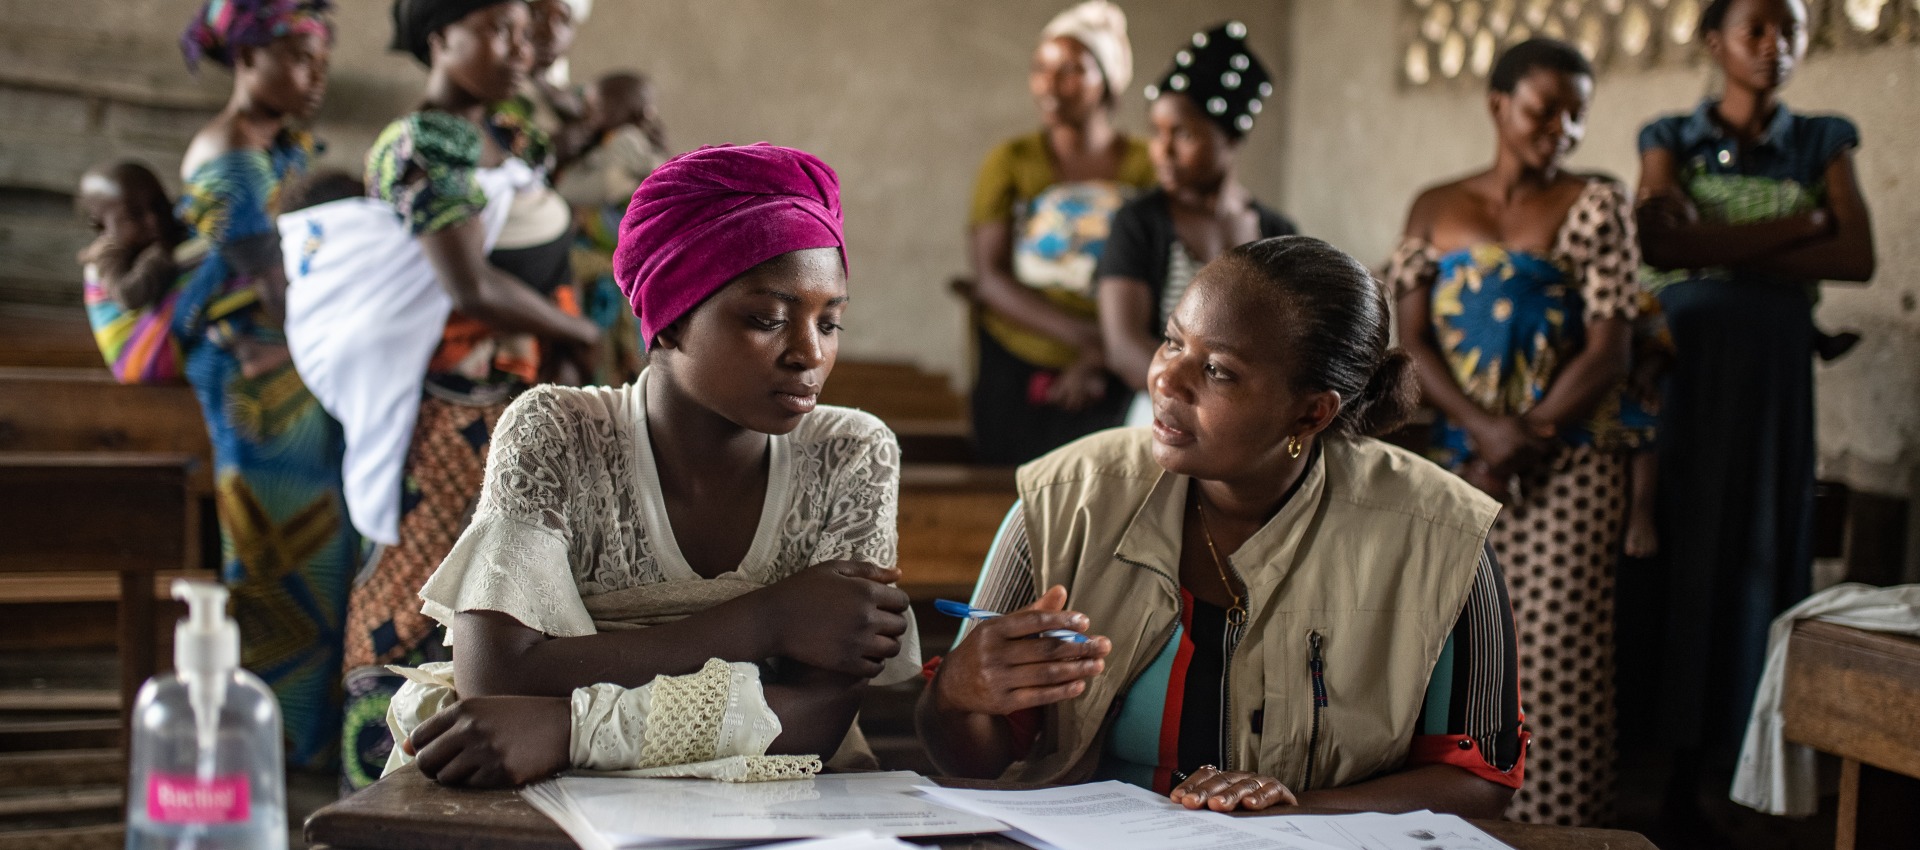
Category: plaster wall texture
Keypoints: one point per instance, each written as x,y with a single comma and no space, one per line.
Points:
1359,145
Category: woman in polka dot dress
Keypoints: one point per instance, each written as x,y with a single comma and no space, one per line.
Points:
1516,292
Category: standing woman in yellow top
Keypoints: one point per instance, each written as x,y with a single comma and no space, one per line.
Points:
1041,210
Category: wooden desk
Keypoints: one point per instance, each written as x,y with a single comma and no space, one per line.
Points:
406,810
1855,694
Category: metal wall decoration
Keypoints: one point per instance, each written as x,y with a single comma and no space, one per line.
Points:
1448,40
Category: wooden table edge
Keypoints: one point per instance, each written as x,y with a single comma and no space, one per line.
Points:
343,819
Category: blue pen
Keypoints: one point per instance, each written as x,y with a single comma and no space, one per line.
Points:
968,612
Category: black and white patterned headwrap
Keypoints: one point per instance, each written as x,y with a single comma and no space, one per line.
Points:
1222,77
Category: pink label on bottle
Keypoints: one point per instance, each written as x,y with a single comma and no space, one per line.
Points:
185,798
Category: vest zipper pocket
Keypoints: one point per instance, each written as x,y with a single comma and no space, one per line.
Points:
1317,667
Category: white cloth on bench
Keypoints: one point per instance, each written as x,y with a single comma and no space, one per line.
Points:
1777,777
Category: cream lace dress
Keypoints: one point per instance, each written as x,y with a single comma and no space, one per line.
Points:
571,537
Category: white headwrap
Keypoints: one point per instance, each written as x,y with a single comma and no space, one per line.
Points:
1101,27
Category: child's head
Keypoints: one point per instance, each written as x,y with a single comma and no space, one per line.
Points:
735,262
1537,95
319,187
1757,43
125,205
619,99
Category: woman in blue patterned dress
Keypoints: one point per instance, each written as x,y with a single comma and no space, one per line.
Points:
287,551
1748,205
1516,292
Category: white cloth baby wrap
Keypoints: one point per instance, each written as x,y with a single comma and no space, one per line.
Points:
365,311
713,724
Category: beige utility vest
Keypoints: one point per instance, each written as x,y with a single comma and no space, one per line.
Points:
1362,574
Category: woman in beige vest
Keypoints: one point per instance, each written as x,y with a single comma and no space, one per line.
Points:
1286,611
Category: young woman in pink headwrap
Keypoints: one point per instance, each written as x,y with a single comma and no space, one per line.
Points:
707,548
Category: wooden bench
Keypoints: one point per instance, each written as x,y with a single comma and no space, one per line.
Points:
920,406
948,517
49,409
74,410
1855,694
43,335
124,513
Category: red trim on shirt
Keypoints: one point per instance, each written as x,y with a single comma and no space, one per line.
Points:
1176,700
1463,752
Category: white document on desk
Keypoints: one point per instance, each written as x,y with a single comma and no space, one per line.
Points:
1117,816
619,812
1372,831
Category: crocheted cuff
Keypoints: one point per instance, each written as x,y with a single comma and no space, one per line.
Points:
716,713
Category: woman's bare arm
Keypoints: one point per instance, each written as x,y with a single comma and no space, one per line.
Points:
1593,373
1847,254
992,254
1126,309
1671,240
503,302
853,624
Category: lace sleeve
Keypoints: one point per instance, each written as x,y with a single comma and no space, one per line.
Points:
1412,267
1604,250
860,515
515,556
862,511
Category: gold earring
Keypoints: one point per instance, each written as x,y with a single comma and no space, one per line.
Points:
1294,448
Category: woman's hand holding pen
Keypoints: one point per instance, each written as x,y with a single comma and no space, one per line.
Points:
998,670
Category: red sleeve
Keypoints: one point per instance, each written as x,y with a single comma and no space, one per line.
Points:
1463,752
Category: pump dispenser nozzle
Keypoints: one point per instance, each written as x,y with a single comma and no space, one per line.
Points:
206,648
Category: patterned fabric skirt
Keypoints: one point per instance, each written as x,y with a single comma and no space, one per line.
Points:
1559,545
287,551
445,466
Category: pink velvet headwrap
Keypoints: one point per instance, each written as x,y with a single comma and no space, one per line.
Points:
704,218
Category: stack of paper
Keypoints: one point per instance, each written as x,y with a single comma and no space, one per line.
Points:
1118,816
848,841
609,813
1412,831
869,811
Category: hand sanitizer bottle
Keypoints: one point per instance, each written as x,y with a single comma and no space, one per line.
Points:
206,767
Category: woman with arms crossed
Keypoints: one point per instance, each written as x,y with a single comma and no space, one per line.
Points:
1748,205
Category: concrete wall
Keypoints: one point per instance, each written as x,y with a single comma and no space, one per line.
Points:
902,97
1360,145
